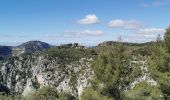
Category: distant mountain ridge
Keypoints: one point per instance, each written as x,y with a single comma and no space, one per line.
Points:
27,47
35,43
107,43
34,46
5,51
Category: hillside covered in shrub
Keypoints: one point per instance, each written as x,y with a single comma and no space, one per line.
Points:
109,71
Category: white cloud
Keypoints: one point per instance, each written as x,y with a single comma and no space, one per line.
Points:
89,19
149,31
118,23
69,33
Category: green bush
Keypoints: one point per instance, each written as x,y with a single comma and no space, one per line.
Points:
143,91
67,55
49,93
90,94
11,97
66,96
44,93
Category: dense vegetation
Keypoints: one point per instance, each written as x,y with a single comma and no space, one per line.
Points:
44,93
159,64
67,55
112,72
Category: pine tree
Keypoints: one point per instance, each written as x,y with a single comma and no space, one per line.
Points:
111,70
167,38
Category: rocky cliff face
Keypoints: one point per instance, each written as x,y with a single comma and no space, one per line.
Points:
67,69
145,75
26,73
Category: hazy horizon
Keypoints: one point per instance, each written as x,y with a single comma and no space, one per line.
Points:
62,43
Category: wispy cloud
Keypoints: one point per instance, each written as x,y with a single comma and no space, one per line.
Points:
7,36
123,24
91,32
13,36
69,33
150,31
155,3
51,36
89,19
73,34
145,35
140,38
139,33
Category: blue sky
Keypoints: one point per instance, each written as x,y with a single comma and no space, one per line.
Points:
87,22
